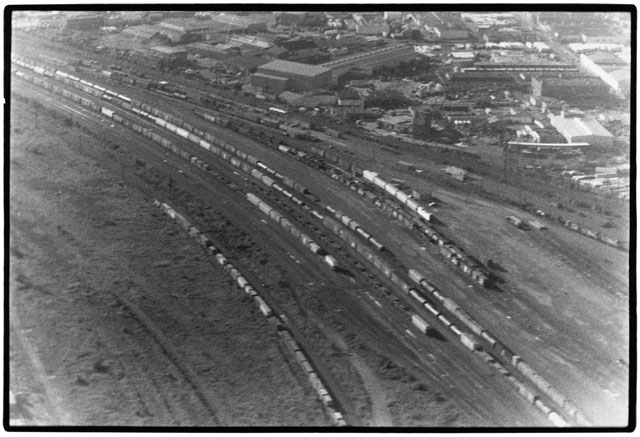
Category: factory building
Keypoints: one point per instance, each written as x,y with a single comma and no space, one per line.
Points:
582,130
349,103
373,29
451,34
168,55
143,33
241,23
84,22
293,75
368,62
570,89
271,84
217,51
422,117
617,76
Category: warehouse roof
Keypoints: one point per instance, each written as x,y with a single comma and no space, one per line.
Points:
576,127
168,50
602,57
295,68
142,31
568,81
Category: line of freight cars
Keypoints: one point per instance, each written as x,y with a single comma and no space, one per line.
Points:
307,241
448,249
223,153
293,230
456,255
324,396
189,132
496,347
184,129
275,123
316,383
591,234
395,277
398,194
471,344
466,263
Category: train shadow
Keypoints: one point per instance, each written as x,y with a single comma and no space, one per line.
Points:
494,284
495,266
437,336
436,221
343,271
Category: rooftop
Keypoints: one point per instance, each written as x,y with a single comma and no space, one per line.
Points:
587,81
295,67
168,50
602,57
575,127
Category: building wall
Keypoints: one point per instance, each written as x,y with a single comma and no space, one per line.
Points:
594,68
271,84
569,91
84,23
299,81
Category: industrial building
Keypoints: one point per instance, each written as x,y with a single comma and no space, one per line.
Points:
396,123
349,102
217,51
570,89
451,34
240,23
169,54
143,33
616,75
285,75
582,130
368,62
84,22
373,29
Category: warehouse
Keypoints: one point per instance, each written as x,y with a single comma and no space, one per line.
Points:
84,22
373,29
241,23
168,55
218,51
620,80
143,33
582,130
269,83
368,62
300,76
570,89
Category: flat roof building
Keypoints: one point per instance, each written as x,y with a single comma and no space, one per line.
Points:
169,54
143,32
582,130
301,76
272,84
369,61
570,89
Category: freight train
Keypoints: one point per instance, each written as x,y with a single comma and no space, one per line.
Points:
323,394
160,117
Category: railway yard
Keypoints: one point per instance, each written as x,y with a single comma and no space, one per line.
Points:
184,262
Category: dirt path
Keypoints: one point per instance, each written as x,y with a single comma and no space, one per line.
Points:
380,414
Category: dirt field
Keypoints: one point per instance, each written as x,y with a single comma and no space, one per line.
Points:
89,253
80,240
